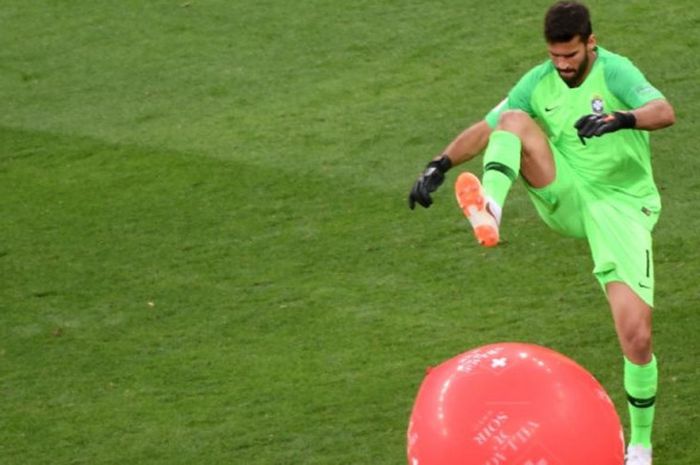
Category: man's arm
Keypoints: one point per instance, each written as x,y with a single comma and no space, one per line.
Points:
471,142
657,114
465,146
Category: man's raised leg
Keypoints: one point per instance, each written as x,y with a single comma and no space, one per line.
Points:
516,146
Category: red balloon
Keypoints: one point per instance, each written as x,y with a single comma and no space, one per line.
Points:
513,404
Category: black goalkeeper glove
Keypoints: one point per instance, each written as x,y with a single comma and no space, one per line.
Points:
428,181
597,125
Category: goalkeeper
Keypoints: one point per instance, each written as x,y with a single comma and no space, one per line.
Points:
576,129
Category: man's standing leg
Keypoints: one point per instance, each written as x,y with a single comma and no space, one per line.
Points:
633,323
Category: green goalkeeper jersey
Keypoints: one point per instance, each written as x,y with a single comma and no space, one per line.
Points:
618,162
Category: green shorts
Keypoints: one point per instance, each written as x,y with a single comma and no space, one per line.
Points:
617,226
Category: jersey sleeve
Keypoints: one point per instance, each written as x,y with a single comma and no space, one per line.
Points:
628,84
519,98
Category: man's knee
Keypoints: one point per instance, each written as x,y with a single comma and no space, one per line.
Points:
639,340
514,121
636,342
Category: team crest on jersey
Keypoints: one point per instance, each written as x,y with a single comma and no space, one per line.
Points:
597,105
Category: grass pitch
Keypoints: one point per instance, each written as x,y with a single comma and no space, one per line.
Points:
206,254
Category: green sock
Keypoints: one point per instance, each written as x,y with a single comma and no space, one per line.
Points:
640,384
501,164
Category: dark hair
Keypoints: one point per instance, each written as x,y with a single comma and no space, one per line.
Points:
566,20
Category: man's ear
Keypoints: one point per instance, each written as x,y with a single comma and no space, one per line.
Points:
591,44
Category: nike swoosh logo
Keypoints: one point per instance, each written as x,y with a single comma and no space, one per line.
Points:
551,108
644,286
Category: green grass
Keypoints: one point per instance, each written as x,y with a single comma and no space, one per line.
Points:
206,255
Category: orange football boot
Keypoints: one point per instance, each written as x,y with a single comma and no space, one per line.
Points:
472,201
